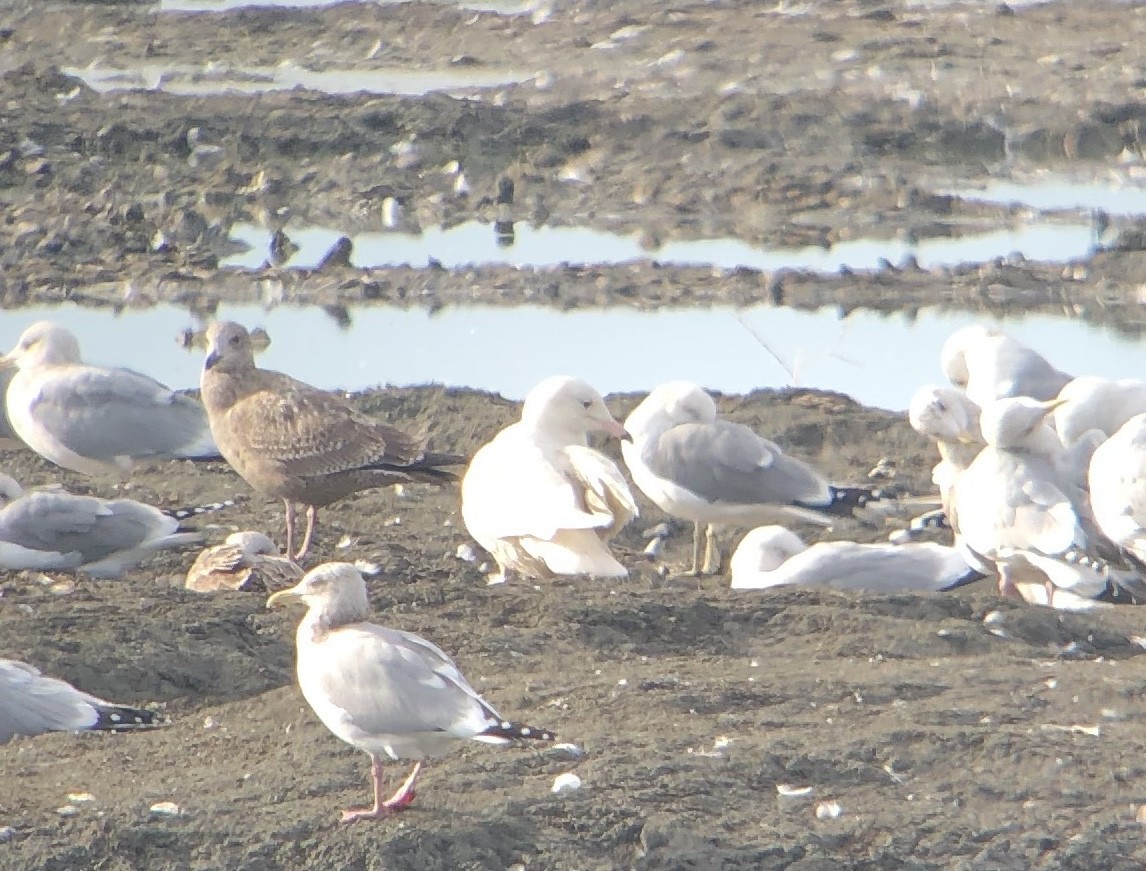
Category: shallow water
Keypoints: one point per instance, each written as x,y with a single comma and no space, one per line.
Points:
1120,196
474,243
213,80
879,360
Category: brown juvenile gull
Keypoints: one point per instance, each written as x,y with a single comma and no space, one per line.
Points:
539,498
244,561
55,530
300,444
31,704
699,467
385,691
93,420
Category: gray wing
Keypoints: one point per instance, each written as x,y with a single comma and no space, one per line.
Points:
31,703
728,462
391,682
1024,372
105,413
95,528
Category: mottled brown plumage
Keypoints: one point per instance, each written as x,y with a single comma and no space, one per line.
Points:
246,561
303,445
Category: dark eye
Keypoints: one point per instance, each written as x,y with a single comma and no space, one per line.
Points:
588,403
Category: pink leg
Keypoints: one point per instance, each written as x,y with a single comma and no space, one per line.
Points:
1007,588
290,525
311,516
400,799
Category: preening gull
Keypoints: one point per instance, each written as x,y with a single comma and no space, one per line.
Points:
988,365
384,691
772,556
538,498
300,444
1016,508
244,561
93,420
693,465
1118,488
1091,403
56,530
31,704
951,420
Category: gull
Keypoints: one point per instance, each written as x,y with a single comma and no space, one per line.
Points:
297,443
989,365
384,691
696,466
539,498
245,561
1118,488
772,556
951,420
93,420
1092,403
1016,508
55,530
32,703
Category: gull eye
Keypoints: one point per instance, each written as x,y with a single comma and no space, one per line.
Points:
588,403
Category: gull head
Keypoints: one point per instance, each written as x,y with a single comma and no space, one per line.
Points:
671,404
334,592
1017,422
252,543
944,414
228,347
10,490
953,357
765,549
570,409
43,344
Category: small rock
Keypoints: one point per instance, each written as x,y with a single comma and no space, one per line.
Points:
566,782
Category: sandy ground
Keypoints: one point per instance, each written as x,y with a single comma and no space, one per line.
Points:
947,740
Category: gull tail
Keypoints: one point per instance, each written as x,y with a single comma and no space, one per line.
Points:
845,501
504,731
121,718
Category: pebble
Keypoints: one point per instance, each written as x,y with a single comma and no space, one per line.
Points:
566,782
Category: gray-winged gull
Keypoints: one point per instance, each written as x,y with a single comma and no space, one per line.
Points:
539,498
384,691
244,561
31,704
56,530
772,556
699,467
988,365
300,444
1016,508
94,420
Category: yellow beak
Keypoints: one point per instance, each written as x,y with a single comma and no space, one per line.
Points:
281,596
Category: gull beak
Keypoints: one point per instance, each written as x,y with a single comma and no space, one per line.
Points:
211,360
625,437
7,361
1051,404
282,596
615,429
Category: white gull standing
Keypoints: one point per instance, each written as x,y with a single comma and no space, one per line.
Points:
772,556
542,501
32,703
93,420
1092,403
698,467
1118,488
988,365
384,691
56,530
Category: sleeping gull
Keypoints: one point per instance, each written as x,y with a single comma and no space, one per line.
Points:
1118,488
300,444
93,420
539,498
988,365
56,530
1016,508
772,556
384,691
701,468
1094,403
31,704
244,561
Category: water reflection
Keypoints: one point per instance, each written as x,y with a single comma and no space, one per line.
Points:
212,80
1056,194
879,360
476,243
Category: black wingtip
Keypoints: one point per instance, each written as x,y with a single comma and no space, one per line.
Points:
518,732
196,510
844,501
963,580
121,718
